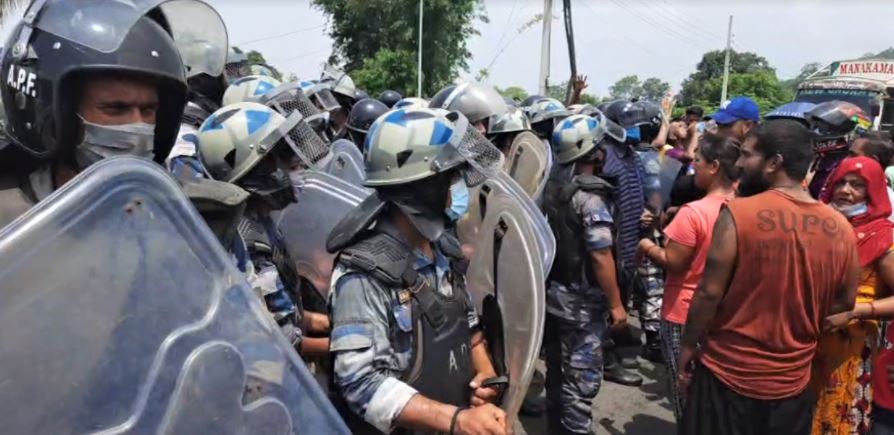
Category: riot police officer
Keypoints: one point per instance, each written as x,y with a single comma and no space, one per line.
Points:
407,347
362,116
479,103
583,289
80,94
251,145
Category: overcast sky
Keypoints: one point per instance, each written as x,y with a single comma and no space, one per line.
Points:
614,38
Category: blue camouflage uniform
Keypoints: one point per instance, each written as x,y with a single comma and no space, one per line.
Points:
625,168
648,292
372,338
576,327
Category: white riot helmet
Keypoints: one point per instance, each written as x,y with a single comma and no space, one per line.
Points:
576,136
249,89
513,121
478,103
234,139
411,103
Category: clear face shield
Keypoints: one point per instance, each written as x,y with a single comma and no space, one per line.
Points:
483,160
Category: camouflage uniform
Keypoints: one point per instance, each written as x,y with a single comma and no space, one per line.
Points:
372,338
650,290
576,328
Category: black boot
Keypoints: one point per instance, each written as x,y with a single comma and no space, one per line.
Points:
613,371
534,404
652,348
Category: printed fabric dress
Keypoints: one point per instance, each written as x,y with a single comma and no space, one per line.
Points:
842,370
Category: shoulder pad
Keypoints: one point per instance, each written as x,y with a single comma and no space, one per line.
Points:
210,194
379,255
594,184
450,246
14,202
255,236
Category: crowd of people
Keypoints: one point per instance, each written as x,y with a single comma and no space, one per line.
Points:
756,251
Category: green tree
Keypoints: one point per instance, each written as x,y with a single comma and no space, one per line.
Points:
711,67
361,29
655,89
557,91
626,88
750,75
806,71
387,70
887,53
514,92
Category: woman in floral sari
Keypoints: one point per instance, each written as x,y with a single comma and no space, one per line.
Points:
843,363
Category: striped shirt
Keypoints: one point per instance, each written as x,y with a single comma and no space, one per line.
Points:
625,167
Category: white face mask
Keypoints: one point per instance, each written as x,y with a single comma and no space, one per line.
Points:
103,141
853,210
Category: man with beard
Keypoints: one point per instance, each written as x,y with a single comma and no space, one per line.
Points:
779,264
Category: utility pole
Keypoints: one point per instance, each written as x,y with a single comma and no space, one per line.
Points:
729,43
569,35
544,44
419,61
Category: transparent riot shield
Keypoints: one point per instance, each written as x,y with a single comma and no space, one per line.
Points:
468,227
122,313
667,175
528,163
345,161
507,281
323,200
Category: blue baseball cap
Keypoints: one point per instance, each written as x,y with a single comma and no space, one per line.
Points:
739,108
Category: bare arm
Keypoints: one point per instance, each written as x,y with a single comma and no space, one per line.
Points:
481,360
883,307
847,292
719,267
314,346
675,257
661,138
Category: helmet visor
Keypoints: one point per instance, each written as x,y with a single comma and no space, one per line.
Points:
296,132
288,98
467,145
323,98
102,26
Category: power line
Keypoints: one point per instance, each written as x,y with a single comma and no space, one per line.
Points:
292,58
267,38
695,23
669,31
518,33
506,26
630,40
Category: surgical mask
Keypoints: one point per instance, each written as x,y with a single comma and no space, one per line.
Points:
104,141
853,210
459,200
633,135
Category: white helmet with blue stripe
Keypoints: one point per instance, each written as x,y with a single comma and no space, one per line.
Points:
234,139
576,136
249,88
320,94
411,102
407,145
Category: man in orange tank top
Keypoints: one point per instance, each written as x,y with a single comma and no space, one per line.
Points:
779,264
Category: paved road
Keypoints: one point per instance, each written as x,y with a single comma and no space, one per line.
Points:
641,410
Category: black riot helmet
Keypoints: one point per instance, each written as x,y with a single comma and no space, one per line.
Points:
614,110
646,115
362,115
60,43
390,98
835,123
531,100
360,94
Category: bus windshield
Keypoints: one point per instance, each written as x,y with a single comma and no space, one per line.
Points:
862,98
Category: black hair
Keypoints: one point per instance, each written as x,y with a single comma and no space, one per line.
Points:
878,147
788,138
695,110
723,150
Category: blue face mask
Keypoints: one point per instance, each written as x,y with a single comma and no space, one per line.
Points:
633,135
459,200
